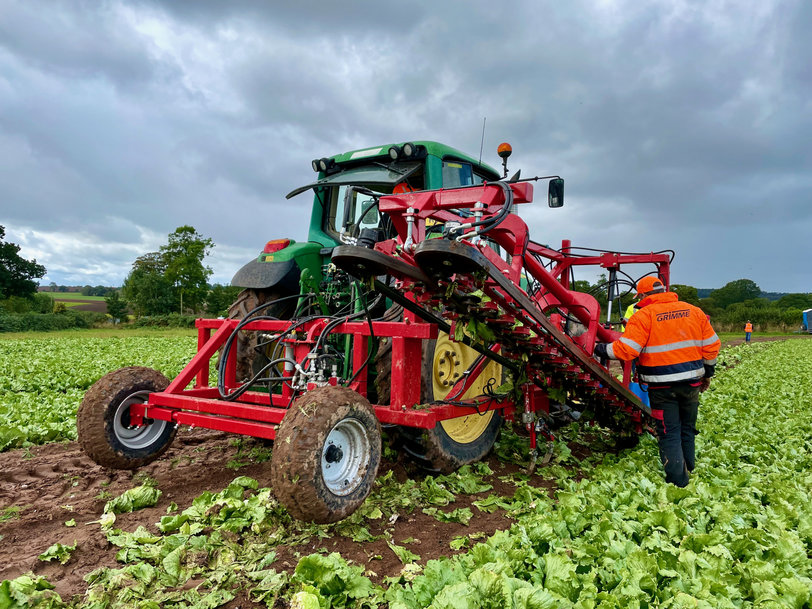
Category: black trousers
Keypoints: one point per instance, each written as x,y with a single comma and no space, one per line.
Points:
675,409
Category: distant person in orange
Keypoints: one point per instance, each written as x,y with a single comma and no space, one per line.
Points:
401,188
748,331
676,349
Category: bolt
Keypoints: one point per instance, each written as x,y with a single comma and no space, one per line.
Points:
441,361
441,373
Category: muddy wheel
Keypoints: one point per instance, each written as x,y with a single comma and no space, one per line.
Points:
326,455
455,442
250,359
103,421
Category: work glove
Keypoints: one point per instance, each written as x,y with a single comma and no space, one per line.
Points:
703,386
600,351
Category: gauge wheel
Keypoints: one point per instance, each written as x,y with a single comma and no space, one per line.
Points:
250,357
103,420
454,442
326,455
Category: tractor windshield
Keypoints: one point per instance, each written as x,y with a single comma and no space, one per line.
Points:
375,176
379,178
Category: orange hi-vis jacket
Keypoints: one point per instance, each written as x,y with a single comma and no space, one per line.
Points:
672,340
748,327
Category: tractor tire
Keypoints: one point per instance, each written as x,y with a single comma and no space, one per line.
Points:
103,420
453,443
326,455
249,359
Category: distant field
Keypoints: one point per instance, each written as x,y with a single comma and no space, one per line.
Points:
101,333
73,296
80,302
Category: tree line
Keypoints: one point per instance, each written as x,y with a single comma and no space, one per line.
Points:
729,307
174,281
171,281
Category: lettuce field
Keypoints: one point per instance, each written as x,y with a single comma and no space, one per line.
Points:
595,528
42,381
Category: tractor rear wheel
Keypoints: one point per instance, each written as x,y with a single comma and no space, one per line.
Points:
103,420
326,455
454,442
250,359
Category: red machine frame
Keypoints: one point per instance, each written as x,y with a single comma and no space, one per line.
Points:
258,414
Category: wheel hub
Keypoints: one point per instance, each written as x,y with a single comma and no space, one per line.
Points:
345,456
132,436
451,360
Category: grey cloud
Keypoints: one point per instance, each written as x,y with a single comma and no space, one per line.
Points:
676,124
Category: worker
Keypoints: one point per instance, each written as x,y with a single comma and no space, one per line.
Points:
627,314
676,349
401,188
748,331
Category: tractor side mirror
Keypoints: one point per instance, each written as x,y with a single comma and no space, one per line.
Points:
555,193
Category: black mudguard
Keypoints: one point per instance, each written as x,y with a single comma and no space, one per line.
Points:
261,275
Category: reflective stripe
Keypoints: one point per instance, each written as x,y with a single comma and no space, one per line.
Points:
709,341
672,346
671,378
630,343
610,353
709,362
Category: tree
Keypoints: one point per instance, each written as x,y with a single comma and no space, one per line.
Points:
183,260
686,293
17,274
146,288
220,298
116,307
735,291
794,301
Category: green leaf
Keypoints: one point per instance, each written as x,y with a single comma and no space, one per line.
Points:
59,552
404,555
460,515
133,499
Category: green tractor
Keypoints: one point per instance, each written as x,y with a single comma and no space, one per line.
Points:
344,212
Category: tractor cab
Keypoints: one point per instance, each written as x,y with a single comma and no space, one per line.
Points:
339,212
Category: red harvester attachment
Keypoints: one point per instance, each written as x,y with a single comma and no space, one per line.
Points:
461,264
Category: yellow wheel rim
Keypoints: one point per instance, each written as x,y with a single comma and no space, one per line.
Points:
451,360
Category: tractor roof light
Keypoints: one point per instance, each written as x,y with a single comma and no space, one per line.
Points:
275,245
394,152
324,164
409,149
315,165
504,150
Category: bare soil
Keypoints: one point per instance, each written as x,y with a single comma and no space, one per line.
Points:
54,483
97,306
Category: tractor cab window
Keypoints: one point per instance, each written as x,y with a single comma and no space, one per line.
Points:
362,211
459,173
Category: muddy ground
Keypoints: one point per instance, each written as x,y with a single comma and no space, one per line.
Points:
55,483
43,487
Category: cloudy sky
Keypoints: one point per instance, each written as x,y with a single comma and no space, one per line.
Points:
677,125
